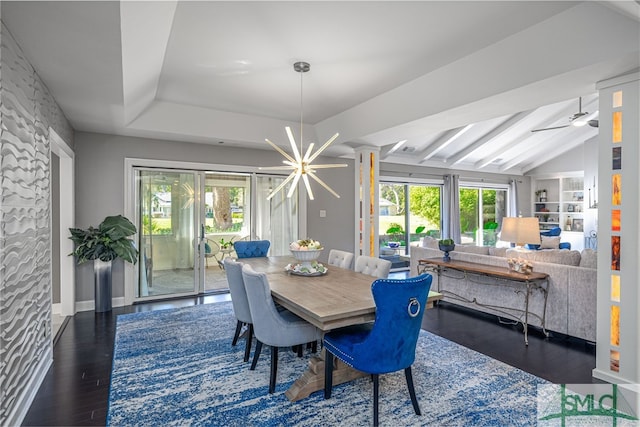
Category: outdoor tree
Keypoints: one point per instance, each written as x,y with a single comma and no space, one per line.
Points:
395,194
425,202
222,208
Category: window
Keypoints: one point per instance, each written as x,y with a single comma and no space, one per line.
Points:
481,212
405,219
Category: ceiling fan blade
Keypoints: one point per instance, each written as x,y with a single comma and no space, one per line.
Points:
593,123
556,127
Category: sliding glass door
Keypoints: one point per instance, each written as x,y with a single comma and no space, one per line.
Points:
189,220
227,219
277,218
481,212
166,216
407,213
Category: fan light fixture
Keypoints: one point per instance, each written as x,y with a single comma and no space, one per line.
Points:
300,165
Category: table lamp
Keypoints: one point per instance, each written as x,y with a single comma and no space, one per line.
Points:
519,230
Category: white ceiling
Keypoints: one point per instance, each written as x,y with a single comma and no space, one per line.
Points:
462,82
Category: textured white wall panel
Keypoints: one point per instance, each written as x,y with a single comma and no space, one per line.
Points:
27,110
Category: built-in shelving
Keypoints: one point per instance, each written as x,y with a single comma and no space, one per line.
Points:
559,202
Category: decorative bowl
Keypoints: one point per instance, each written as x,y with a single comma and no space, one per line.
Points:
306,255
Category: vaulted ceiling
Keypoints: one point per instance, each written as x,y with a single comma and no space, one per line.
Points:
447,84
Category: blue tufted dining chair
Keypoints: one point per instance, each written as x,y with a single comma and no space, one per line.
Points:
240,303
251,248
389,343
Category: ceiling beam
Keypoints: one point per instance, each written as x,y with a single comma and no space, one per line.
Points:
442,142
494,133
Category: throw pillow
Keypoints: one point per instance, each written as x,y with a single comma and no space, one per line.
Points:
429,242
550,242
589,258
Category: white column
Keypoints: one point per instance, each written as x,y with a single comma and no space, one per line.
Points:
367,171
617,336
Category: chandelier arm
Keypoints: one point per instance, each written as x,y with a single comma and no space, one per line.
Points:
292,141
321,182
281,151
326,144
281,186
277,168
306,184
296,178
308,153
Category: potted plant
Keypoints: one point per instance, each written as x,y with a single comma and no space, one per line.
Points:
102,245
396,233
446,246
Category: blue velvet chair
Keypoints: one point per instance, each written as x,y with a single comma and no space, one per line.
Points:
240,303
389,343
251,248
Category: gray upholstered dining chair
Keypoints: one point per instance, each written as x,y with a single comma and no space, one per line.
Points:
376,267
271,327
340,259
240,303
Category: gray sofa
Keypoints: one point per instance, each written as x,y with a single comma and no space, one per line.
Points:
571,302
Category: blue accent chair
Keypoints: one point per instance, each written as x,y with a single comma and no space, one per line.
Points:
251,248
552,232
389,343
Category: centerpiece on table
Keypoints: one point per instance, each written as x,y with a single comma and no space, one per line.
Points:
307,252
520,265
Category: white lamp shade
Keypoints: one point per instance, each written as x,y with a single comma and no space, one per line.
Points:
520,230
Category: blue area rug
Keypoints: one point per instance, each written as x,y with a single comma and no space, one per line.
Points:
177,367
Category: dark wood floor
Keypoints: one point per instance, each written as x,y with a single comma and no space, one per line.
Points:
75,390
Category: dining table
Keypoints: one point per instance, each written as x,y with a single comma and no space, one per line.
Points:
337,298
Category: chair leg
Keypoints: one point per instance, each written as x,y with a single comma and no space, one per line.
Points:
274,369
299,349
256,355
247,344
376,386
328,374
237,334
412,391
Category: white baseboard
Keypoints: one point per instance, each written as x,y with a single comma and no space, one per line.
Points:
606,376
23,403
90,305
56,308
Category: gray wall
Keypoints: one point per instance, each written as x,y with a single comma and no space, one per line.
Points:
27,111
100,188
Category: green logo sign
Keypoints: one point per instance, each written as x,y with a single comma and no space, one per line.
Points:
595,404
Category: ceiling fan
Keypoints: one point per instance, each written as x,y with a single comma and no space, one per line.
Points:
578,119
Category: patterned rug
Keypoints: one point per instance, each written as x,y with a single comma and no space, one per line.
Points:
177,367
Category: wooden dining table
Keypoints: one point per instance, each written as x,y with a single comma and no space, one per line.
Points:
339,298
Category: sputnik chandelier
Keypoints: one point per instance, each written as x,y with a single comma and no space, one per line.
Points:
300,165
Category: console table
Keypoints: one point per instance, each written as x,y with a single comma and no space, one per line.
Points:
525,284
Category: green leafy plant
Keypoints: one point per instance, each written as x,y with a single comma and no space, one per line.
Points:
107,242
395,230
446,242
226,244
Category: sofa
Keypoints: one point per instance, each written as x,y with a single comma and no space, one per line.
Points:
571,301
